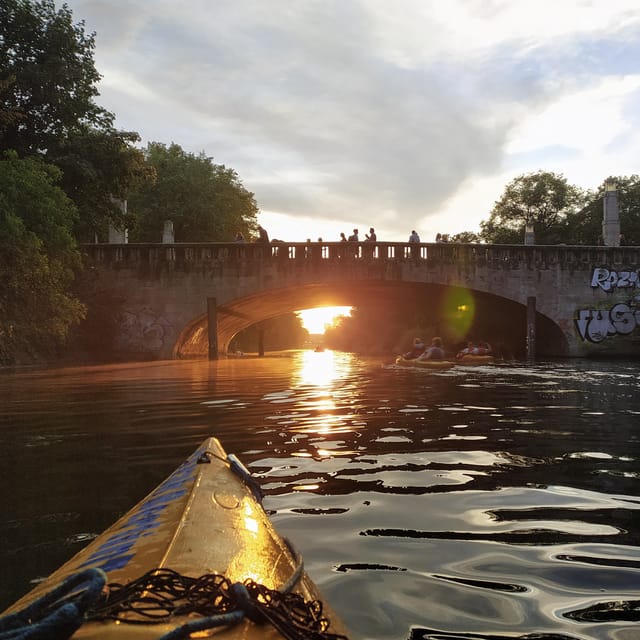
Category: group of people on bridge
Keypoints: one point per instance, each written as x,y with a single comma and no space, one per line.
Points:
263,237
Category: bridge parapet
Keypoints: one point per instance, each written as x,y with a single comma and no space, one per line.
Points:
202,255
162,293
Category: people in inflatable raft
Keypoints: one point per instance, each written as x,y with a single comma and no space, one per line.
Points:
481,349
435,351
416,350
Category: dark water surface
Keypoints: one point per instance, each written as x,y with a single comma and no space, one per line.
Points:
479,502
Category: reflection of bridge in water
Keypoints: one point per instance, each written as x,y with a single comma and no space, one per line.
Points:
180,299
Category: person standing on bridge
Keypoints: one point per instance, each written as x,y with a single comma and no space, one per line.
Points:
354,238
371,238
263,236
414,239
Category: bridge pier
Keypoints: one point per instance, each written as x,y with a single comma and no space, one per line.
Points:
212,329
531,328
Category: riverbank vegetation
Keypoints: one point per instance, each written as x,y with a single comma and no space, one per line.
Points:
66,172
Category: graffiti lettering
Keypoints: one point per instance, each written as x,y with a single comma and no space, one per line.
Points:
595,325
608,280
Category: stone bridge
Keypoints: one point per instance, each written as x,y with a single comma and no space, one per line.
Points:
178,300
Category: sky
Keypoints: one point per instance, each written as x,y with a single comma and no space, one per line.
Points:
343,114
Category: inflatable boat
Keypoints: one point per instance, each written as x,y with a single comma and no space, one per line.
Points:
471,359
424,364
196,556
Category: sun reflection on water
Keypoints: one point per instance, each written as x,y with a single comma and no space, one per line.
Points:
322,368
317,381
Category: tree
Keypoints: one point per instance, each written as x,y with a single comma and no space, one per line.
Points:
38,258
47,88
465,237
205,201
542,200
47,77
282,332
100,168
585,226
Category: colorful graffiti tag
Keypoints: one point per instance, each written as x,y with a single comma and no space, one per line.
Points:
595,325
608,280
621,319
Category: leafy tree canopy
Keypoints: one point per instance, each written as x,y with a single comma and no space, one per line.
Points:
47,89
205,201
47,77
282,332
542,199
100,167
38,257
467,237
585,226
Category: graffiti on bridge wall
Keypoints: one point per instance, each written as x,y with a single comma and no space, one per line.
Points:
595,325
145,331
621,319
608,280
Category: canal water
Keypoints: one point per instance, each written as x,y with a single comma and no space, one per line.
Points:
479,502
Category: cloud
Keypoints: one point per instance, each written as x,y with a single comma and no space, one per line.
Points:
363,110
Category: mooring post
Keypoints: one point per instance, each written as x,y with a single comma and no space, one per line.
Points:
531,328
212,316
261,342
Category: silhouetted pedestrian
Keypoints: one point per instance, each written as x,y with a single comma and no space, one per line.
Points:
263,235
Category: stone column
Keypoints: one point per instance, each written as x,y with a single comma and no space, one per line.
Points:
119,236
168,237
261,342
529,235
610,217
531,328
212,328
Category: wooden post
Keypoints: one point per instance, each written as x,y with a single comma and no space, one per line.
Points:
212,314
531,328
261,342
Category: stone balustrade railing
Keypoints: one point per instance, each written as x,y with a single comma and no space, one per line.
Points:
498,256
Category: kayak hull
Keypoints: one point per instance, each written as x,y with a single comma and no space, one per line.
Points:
202,519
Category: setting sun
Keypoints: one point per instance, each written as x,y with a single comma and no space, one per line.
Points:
316,320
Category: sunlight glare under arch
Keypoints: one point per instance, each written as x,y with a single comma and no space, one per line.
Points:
316,320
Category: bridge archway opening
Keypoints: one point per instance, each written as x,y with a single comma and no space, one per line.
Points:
462,313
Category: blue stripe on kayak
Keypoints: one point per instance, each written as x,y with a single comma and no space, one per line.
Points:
113,553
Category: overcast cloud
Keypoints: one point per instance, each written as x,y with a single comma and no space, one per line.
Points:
342,113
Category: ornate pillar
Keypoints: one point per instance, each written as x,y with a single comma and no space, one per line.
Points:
610,217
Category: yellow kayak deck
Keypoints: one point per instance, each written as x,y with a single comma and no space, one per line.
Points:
203,519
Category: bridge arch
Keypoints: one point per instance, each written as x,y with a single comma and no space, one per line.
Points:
507,329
